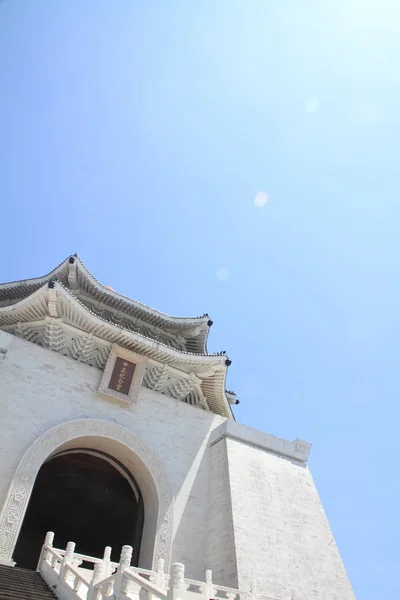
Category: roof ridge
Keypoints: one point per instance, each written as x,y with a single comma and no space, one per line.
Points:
75,257
146,306
36,278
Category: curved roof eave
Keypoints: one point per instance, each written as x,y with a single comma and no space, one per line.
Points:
189,321
181,322
40,296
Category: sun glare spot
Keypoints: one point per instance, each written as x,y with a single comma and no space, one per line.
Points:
312,104
261,199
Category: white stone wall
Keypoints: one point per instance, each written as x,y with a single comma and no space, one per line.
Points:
283,539
221,550
239,510
40,389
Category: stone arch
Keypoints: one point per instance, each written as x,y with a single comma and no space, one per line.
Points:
116,440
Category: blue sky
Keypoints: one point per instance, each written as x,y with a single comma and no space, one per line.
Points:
138,135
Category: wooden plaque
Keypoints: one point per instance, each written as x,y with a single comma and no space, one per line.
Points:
122,376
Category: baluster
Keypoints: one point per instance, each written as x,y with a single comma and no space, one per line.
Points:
160,576
126,557
107,561
68,558
177,583
209,590
77,583
124,563
44,554
48,541
98,575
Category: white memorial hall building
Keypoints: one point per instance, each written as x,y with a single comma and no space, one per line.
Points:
123,472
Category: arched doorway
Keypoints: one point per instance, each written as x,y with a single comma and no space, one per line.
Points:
126,447
83,496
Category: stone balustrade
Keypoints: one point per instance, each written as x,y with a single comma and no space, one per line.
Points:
63,572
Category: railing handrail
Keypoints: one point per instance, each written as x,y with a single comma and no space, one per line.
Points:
75,571
54,551
240,593
86,558
221,588
144,583
155,583
139,570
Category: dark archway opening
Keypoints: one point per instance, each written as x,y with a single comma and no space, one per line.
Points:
84,497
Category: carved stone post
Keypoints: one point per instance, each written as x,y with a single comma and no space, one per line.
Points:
107,561
209,588
48,541
67,560
124,563
177,584
98,575
160,576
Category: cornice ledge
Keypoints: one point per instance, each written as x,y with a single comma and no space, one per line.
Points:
298,450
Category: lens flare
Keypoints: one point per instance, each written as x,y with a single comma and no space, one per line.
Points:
261,199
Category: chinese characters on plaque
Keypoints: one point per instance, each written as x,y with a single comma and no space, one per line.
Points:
122,375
